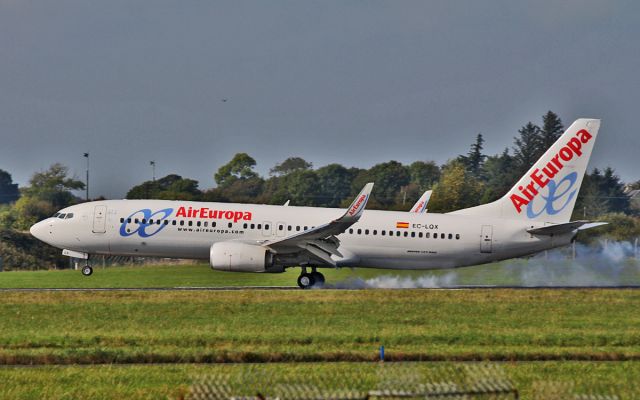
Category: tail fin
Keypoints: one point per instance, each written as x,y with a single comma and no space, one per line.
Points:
548,191
421,205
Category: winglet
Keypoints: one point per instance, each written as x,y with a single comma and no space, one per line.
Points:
421,205
356,208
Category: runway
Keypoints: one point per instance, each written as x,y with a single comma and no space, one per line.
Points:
266,288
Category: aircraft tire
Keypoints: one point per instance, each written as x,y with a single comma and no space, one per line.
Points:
306,281
87,270
318,278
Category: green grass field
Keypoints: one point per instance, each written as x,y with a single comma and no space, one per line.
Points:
567,335
515,272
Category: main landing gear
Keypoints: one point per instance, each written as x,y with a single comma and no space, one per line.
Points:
308,280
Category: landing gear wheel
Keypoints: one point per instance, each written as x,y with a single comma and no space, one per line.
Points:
305,281
87,270
318,278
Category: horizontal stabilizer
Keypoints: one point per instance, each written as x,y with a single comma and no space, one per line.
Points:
558,229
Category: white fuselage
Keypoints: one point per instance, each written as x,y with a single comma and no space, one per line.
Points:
380,239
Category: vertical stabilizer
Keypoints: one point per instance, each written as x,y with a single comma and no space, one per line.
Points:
548,191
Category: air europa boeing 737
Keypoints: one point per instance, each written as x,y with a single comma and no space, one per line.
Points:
533,216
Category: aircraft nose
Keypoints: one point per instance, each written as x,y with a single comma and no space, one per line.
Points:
38,230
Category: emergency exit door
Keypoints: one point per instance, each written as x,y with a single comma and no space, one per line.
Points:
486,239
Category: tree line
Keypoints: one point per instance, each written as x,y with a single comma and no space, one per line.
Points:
466,180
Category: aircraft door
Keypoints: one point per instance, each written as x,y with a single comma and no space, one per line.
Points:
99,219
486,239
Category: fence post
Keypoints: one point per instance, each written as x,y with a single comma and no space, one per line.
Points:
1,267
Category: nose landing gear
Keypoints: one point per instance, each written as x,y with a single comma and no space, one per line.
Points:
87,270
308,280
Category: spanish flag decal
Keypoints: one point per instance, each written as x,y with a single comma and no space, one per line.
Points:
402,225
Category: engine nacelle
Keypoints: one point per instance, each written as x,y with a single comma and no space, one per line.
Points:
241,257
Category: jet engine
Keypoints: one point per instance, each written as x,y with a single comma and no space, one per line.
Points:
241,257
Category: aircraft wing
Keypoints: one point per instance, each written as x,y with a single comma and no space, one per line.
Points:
321,241
421,205
557,229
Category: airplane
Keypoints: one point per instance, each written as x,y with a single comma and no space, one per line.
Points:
533,216
421,205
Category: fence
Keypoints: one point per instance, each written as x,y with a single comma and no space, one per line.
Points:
391,381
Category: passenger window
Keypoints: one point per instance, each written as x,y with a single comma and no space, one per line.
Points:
289,227
450,236
359,231
150,222
173,222
366,231
206,223
166,222
136,221
383,233
305,228
213,224
245,225
398,233
253,226
280,227
435,235
259,226
158,222
230,224
129,220
190,223
457,236
427,235
351,231
406,233
298,228
442,236
144,221
121,220
266,227
375,232
198,223
181,223
413,234
419,234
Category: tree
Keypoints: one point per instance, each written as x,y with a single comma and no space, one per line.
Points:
290,165
335,185
240,167
171,187
526,148
8,190
54,186
389,179
551,131
500,174
424,174
474,159
456,189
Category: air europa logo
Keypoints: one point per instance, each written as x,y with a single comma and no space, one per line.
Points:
356,206
207,213
540,179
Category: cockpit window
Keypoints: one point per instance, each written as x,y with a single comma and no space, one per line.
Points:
61,215
69,216
55,215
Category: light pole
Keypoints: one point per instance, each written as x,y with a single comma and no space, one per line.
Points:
86,155
153,169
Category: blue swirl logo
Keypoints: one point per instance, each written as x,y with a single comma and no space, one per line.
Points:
560,192
145,229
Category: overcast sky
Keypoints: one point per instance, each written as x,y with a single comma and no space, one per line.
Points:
352,82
